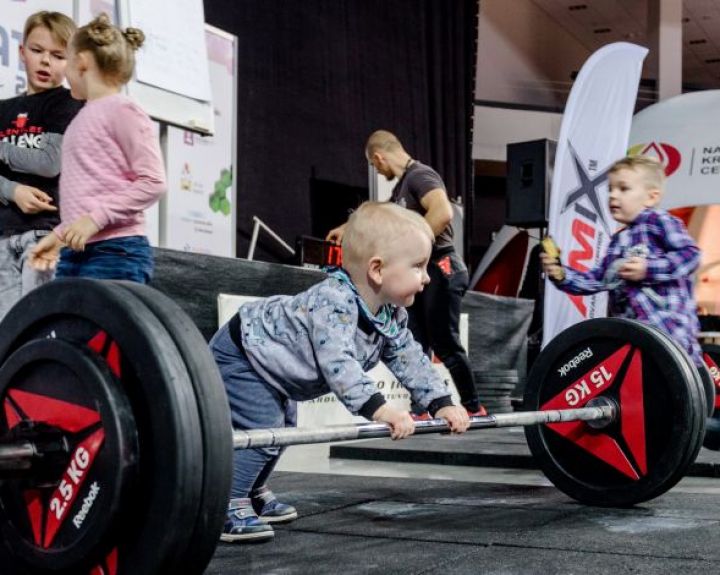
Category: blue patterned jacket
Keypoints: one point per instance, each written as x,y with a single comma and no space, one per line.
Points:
325,339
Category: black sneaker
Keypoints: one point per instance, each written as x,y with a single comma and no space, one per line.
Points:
242,524
269,509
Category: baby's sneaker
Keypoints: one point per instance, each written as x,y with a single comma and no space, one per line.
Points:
269,509
242,524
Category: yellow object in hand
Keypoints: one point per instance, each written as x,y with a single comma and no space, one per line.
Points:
550,248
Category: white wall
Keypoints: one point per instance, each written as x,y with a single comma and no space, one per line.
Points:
495,128
520,49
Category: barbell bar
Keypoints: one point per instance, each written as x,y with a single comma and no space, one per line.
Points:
18,456
280,437
125,382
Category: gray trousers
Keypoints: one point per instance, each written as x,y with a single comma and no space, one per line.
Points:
16,277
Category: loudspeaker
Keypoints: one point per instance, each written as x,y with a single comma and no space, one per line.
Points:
529,172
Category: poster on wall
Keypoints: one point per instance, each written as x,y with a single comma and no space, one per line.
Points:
12,22
199,209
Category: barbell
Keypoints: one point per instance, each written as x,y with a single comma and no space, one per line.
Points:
116,444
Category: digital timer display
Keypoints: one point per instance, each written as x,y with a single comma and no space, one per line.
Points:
316,252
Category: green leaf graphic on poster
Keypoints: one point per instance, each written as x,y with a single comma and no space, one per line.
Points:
219,201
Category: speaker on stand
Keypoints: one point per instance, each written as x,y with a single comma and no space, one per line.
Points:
529,176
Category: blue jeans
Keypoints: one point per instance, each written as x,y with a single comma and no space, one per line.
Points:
128,258
253,405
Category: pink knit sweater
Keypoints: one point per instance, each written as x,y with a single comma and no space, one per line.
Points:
112,168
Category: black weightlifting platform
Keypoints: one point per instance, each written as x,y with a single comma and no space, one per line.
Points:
357,525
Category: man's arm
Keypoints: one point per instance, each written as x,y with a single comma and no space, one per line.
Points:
438,210
43,161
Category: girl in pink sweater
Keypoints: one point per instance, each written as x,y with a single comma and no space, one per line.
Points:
112,169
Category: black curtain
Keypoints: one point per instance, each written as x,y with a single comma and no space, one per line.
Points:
315,77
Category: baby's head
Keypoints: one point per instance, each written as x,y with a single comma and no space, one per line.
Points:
388,247
635,183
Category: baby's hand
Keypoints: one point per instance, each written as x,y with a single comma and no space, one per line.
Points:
400,422
456,416
633,269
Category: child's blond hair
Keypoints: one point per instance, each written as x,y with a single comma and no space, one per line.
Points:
61,27
112,48
375,227
652,171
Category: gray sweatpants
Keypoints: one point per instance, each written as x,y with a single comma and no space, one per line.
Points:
16,277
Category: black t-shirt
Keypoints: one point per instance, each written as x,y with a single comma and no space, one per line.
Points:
417,181
23,121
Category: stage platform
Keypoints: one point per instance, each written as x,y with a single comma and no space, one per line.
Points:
362,525
504,448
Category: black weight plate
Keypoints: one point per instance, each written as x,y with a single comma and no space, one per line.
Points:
711,355
214,420
661,412
49,386
495,385
496,373
95,315
709,387
696,389
496,393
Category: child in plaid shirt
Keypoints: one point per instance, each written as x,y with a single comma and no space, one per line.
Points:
650,261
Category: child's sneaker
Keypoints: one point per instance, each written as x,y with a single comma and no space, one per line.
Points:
242,524
269,509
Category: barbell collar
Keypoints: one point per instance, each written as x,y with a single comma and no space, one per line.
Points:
285,436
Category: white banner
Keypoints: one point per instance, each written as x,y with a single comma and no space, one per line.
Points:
12,22
594,133
199,210
684,134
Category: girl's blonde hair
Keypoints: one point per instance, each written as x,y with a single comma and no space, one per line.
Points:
112,48
61,27
375,228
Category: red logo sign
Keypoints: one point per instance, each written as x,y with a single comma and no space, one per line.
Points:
669,155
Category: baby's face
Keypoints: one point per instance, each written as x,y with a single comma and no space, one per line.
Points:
629,195
404,272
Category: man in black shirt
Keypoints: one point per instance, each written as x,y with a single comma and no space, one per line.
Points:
435,315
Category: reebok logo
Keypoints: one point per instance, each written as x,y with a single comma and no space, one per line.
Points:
575,361
88,502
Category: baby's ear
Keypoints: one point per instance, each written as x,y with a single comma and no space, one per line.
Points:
374,271
654,197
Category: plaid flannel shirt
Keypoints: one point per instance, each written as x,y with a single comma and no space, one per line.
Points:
664,298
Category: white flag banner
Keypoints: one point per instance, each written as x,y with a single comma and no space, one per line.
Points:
684,134
594,133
